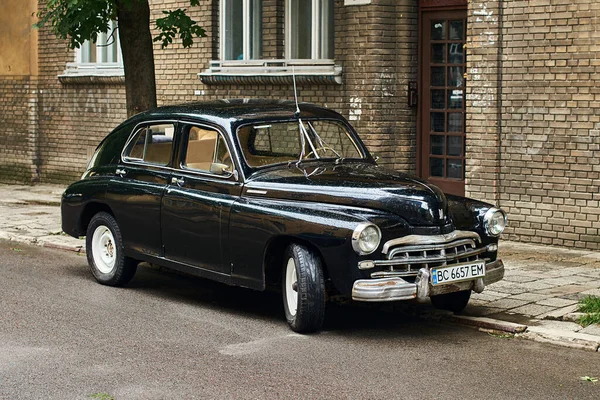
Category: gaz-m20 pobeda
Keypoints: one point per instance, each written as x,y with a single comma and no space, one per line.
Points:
267,194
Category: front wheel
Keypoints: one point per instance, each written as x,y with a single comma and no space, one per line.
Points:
104,250
455,302
304,292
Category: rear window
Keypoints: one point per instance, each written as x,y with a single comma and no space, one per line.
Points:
152,144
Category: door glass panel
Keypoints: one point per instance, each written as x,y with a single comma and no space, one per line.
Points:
455,53
152,144
200,150
436,167
438,76
455,168
455,76
438,53
455,122
455,98
437,99
437,145
456,30
438,30
455,146
437,122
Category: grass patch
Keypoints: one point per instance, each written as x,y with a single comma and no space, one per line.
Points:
590,305
101,396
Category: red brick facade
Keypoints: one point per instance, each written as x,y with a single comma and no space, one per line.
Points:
533,102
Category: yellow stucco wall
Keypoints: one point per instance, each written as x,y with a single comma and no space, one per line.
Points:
18,40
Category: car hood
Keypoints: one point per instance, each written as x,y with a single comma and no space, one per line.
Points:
354,184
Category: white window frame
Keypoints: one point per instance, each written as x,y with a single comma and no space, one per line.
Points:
100,67
316,34
246,27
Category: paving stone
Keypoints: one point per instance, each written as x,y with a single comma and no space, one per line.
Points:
565,290
481,311
520,278
532,297
532,310
484,297
492,292
556,302
559,313
533,286
561,325
566,280
507,304
593,329
592,292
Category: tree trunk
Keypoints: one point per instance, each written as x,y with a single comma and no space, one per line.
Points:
138,55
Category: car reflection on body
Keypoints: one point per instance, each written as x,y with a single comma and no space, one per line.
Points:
261,194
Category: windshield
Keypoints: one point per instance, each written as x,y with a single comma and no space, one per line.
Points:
283,142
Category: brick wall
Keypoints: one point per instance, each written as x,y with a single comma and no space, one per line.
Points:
18,119
547,132
375,44
551,117
73,117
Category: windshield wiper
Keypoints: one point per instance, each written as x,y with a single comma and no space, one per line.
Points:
303,138
322,143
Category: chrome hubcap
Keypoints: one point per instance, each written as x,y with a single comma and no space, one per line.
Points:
291,287
104,251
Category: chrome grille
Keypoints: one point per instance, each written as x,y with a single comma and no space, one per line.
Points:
405,256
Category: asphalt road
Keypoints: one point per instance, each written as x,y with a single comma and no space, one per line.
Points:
63,336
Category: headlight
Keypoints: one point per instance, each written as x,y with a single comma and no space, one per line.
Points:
366,238
494,221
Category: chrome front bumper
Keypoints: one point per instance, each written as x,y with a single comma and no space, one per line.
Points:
392,289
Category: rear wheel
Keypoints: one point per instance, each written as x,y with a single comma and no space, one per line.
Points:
104,250
455,302
304,292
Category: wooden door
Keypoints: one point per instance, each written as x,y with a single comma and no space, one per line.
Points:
442,107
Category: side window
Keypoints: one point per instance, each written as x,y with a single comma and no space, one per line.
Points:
152,144
207,151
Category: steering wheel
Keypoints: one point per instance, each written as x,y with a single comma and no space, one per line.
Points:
319,150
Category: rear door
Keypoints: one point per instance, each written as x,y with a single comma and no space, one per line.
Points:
135,193
198,200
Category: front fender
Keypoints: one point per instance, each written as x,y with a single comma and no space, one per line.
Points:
255,223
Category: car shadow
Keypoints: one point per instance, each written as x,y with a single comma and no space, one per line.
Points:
347,318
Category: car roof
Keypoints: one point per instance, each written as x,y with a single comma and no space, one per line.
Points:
241,110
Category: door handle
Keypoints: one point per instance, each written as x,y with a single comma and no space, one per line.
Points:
121,172
177,181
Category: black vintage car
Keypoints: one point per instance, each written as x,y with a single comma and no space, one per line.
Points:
264,194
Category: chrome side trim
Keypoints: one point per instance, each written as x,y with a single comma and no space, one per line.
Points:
255,191
430,239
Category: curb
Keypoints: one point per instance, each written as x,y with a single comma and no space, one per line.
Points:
42,243
573,340
487,323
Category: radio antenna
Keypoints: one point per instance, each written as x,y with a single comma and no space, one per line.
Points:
295,92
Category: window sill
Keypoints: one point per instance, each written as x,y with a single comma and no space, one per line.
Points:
93,73
308,72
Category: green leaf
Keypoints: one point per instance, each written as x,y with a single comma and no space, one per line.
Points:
589,379
177,23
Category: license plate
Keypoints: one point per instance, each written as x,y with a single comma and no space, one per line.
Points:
458,272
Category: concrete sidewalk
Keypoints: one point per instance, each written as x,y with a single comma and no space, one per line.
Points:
537,298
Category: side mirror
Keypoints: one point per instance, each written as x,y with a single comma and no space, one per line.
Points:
375,157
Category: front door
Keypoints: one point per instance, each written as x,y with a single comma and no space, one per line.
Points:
442,107
197,203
